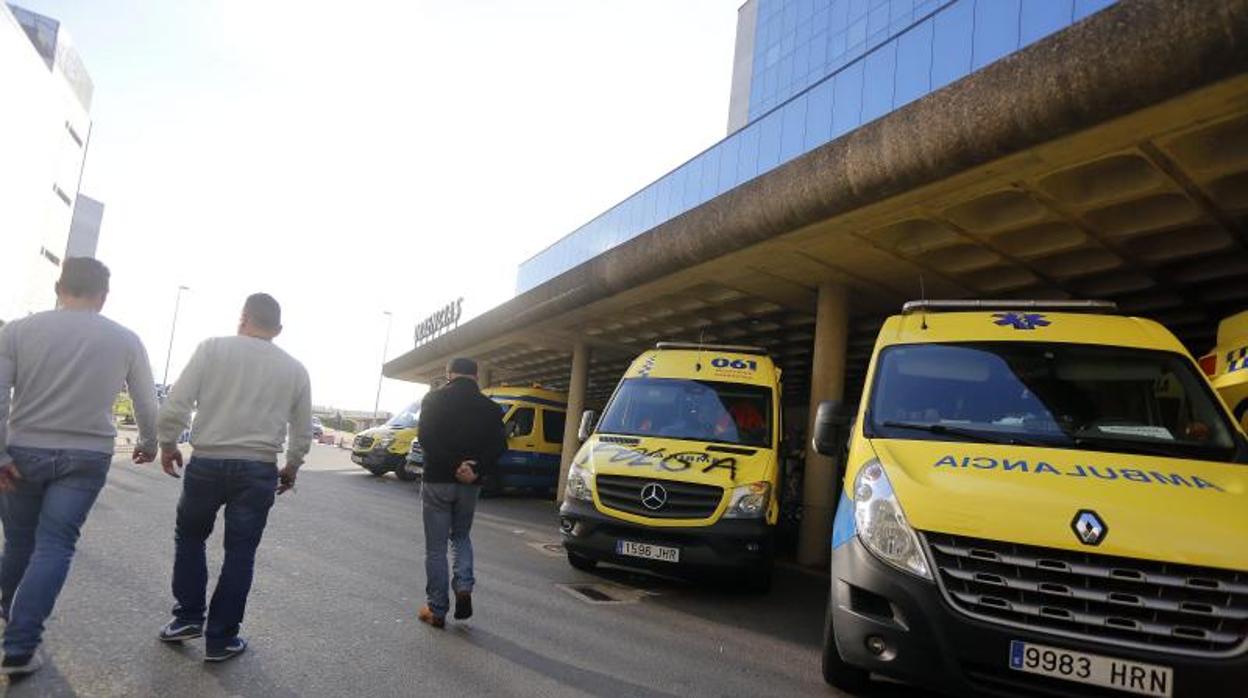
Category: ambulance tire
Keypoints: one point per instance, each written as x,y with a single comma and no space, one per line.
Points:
836,672
404,474
582,563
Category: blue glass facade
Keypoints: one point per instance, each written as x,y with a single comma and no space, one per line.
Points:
798,43
822,68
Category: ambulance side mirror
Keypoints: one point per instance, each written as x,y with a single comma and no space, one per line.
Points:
831,421
587,425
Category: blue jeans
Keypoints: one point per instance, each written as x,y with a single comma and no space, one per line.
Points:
448,510
42,520
246,489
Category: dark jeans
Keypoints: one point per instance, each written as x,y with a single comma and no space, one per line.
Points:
448,510
246,489
42,520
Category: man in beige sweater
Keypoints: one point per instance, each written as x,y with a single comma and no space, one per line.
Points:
247,395
64,368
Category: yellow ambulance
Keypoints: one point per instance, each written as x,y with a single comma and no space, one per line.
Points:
1039,499
1227,365
681,473
384,449
533,418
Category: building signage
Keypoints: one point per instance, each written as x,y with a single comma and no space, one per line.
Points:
448,316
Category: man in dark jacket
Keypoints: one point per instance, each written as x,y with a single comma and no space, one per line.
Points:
461,434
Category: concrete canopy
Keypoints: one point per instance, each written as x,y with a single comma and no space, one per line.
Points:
1107,161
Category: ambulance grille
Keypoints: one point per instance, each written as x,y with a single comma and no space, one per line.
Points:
684,500
1116,600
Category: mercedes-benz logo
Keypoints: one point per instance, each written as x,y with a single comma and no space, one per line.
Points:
653,496
1089,527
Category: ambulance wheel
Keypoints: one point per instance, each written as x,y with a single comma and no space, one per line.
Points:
405,473
581,562
836,672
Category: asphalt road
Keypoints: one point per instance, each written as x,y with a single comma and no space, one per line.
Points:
339,579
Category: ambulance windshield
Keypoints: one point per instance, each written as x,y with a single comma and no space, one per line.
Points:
406,419
1060,395
711,411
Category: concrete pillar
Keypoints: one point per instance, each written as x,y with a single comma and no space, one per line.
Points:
827,382
577,386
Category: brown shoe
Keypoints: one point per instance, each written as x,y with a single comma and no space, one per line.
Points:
426,615
463,605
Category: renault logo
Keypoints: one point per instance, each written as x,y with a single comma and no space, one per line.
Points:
653,496
1089,527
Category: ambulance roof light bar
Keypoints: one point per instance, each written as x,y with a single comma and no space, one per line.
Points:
954,306
694,346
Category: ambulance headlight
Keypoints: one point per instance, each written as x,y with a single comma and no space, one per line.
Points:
749,501
578,484
881,525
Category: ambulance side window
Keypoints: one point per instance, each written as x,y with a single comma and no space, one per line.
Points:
552,426
521,422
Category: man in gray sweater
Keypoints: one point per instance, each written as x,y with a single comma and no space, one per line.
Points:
65,368
247,394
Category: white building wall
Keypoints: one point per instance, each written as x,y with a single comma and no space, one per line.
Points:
40,158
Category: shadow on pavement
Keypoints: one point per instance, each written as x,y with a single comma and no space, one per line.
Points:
246,676
792,611
587,680
48,681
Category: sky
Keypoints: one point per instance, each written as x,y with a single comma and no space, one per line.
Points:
357,158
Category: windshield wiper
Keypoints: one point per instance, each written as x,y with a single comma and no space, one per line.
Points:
1086,438
966,433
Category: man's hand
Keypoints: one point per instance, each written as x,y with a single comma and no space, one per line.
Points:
286,478
466,473
171,461
9,477
139,457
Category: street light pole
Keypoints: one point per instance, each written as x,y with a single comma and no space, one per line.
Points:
381,373
172,329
